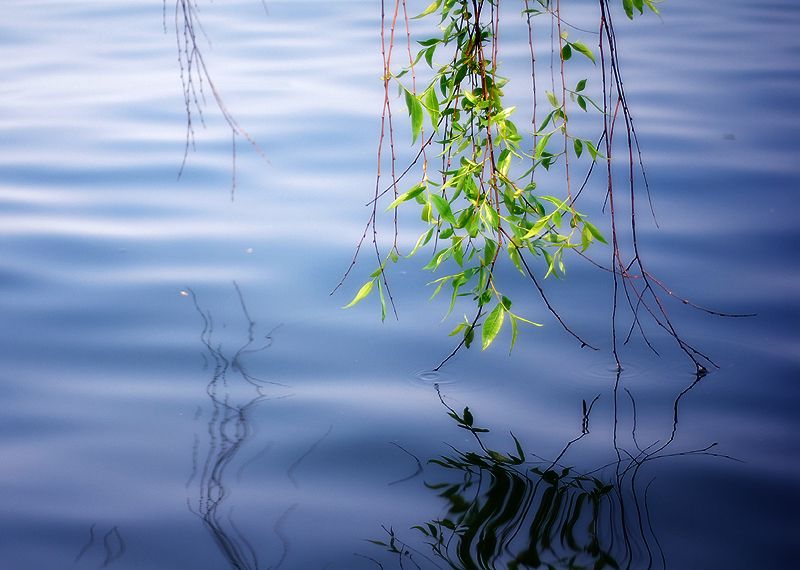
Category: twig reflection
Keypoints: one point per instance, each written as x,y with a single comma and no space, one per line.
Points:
227,431
113,548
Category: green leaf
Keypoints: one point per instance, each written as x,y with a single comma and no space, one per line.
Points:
429,10
458,329
628,5
492,326
383,301
581,85
586,238
546,120
460,74
432,105
429,55
491,216
415,112
578,146
438,258
489,250
441,281
469,336
504,162
566,52
513,253
365,290
514,332
552,98
427,214
595,232
443,207
592,149
540,224
540,146
458,250
549,259
405,196
581,47
504,114
429,42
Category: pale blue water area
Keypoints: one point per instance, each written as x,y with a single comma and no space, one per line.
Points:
181,392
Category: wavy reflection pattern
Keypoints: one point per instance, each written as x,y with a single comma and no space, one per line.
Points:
233,394
512,509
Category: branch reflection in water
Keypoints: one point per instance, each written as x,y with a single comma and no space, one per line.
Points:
233,394
514,509
107,550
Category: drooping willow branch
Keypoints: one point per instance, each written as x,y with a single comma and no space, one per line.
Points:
482,202
196,80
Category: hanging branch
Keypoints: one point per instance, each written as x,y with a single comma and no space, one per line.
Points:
477,204
196,79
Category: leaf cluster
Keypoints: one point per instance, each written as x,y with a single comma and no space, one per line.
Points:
482,205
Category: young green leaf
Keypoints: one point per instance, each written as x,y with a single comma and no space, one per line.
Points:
516,259
469,336
592,149
365,290
504,162
405,196
581,47
540,146
514,331
492,216
383,301
595,232
415,112
492,326
628,5
432,105
460,327
578,146
586,238
443,207
429,10
429,55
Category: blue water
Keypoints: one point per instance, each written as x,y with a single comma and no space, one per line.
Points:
180,390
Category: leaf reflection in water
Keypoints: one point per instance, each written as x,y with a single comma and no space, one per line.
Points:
512,509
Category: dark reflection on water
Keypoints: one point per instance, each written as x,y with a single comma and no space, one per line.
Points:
233,394
107,549
514,509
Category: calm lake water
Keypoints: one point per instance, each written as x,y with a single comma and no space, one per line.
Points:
181,392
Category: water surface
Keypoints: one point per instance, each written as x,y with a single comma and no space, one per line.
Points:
181,391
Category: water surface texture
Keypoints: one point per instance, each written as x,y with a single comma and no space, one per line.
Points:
181,392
